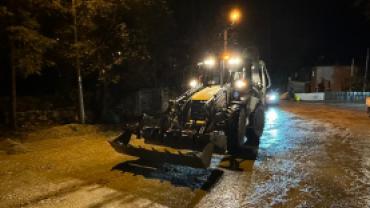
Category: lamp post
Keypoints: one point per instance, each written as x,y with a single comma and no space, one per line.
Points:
235,17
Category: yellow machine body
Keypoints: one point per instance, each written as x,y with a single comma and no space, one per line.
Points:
207,93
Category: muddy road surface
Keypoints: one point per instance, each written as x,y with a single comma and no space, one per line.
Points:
311,155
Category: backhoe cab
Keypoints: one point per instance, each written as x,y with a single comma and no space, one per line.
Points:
211,117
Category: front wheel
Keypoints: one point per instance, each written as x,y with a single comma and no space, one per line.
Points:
236,128
256,126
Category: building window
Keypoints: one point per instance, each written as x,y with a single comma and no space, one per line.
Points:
313,73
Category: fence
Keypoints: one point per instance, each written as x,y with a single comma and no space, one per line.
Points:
335,96
347,96
151,101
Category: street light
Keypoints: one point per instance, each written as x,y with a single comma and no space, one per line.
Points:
235,16
226,57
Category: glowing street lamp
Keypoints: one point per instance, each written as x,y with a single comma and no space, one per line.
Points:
235,16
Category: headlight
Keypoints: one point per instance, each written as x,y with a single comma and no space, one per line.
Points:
193,83
240,84
272,97
234,61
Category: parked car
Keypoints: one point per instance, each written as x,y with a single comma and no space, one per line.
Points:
273,97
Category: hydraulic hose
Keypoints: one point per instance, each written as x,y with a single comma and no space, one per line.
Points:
268,77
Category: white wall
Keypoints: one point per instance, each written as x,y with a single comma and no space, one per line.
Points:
311,96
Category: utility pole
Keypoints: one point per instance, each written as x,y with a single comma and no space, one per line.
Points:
235,16
350,82
81,99
13,97
225,40
222,59
367,65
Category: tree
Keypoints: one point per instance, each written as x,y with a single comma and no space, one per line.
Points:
118,41
27,45
365,5
126,42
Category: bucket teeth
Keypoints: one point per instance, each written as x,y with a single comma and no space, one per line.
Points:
154,149
193,155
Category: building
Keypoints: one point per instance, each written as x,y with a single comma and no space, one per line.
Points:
335,78
331,78
300,81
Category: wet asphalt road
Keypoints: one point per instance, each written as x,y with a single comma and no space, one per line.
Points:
311,155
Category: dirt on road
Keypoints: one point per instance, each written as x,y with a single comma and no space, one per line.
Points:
311,155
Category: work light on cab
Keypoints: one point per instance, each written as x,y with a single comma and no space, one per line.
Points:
193,83
240,84
234,61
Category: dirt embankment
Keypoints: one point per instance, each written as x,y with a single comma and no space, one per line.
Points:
17,142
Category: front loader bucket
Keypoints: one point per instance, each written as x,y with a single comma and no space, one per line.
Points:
202,160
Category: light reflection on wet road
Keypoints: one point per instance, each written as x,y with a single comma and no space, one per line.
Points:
307,158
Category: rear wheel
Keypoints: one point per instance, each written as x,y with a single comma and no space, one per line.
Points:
256,126
236,128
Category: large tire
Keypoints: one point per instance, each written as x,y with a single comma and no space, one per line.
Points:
236,128
256,126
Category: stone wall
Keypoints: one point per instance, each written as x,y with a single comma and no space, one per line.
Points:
151,101
34,118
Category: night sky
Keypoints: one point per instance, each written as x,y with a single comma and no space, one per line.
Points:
295,30
304,31
290,34
310,29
